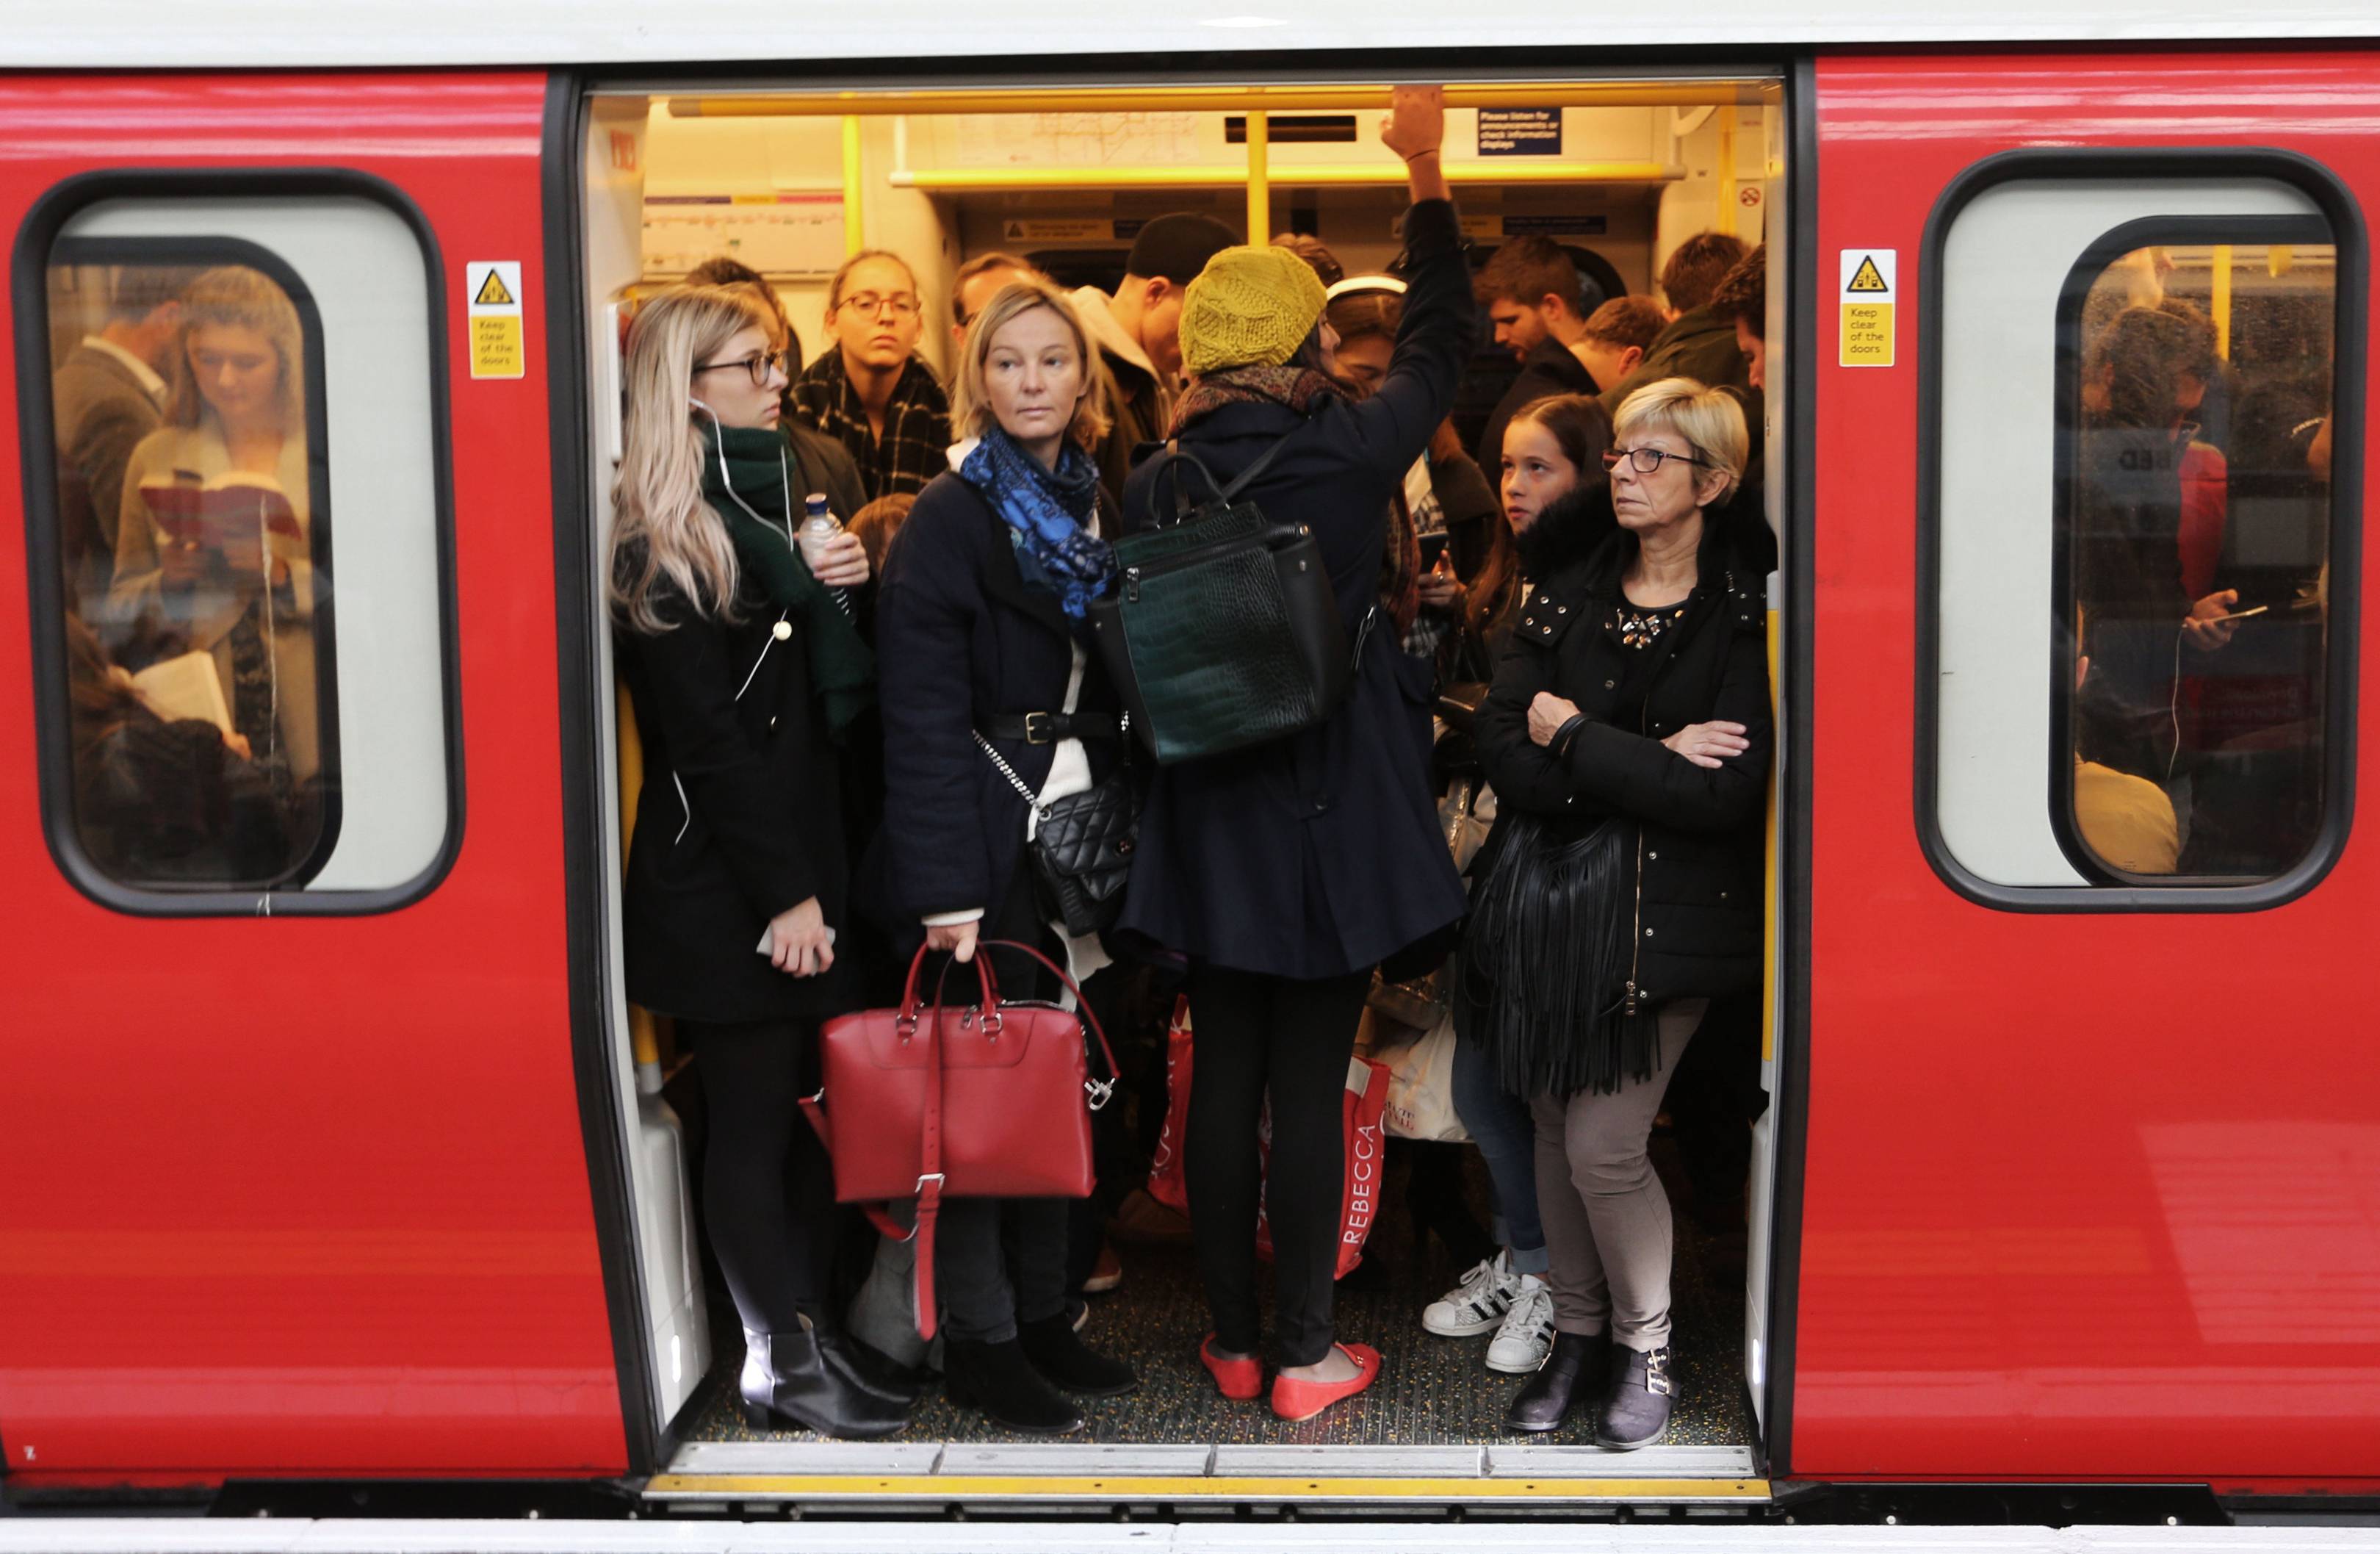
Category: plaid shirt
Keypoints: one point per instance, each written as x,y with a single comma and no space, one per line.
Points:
917,424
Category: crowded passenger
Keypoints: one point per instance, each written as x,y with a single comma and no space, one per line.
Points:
1628,736
1616,337
1317,254
2142,376
108,395
1530,289
820,462
747,681
1287,872
1698,342
1139,334
214,541
975,283
872,392
1742,299
1555,507
998,709
1451,507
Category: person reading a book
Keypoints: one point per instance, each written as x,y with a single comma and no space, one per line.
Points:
212,543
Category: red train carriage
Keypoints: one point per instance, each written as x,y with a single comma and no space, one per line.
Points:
335,1156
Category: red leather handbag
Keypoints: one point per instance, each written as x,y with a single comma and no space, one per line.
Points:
986,1100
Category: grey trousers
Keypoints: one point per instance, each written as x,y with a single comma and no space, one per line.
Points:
1607,1219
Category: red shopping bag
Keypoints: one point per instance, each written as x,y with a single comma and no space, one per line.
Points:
1365,1104
1165,1180
1365,1099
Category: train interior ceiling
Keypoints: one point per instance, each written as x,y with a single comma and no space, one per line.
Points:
790,181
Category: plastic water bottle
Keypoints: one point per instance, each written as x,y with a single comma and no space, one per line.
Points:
818,527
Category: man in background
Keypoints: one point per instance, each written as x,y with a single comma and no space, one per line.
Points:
1139,332
109,393
1699,341
977,282
1530,289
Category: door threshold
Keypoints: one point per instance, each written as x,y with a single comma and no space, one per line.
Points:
811,1471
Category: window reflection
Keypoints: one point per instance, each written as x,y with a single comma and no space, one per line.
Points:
2197,531
188,538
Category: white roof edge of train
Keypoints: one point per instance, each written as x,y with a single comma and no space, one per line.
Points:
232,34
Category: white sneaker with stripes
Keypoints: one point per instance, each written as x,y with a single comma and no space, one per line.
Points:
1526,1336
1477,1304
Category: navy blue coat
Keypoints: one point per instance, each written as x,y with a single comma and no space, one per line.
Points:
1318,855
962,639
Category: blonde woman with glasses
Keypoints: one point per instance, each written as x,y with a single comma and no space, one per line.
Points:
747,679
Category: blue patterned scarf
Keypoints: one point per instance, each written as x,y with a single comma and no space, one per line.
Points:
1051,510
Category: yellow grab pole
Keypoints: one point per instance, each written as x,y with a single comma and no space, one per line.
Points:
855,225
1326,174
1259,178
1339,97
1726,223
2220,300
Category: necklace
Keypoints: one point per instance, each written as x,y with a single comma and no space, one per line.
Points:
1641,628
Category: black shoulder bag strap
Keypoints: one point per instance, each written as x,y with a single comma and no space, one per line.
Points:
1175,459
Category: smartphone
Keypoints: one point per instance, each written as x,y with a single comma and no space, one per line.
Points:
2239,614
1433,547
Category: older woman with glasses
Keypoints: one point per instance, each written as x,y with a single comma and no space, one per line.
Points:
873,393
1627,735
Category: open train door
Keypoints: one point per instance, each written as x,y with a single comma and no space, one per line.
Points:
2093,1141
295,1176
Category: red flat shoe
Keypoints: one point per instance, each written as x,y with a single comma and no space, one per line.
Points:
1294,1400
1241,1380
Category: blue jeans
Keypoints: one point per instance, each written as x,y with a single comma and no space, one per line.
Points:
1500,1124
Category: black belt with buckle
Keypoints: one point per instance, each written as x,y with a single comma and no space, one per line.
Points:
1048,728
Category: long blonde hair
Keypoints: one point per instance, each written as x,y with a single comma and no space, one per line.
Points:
236,296
661,525
971,412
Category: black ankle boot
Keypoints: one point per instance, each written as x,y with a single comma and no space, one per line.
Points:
1574,1368
870,1371
1636,1410
1069,1364
998,1381
787,1381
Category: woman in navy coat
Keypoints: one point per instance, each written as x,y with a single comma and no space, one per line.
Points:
982,624
1288,872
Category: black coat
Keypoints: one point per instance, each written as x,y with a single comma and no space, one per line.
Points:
962,639
1549,369
1318,855
739,819
1698,874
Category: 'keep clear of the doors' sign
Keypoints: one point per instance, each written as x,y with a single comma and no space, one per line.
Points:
1871,282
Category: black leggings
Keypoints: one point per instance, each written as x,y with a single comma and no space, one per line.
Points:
767,1188
1261,1037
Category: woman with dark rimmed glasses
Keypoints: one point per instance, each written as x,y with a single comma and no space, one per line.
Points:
747,682
1627,736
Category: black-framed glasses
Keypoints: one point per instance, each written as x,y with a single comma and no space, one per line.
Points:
759,367
1647,461
904,304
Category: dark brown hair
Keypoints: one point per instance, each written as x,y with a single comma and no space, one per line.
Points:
1696,268
1626,320
1312,249
1742,292
1359,315
1581,429
2142,355
1527,271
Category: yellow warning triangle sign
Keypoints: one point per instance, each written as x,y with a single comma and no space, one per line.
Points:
1864,279
1014,232
492,293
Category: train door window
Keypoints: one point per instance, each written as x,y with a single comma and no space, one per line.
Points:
250,689
2141,613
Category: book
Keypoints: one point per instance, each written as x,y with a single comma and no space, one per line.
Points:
185,686
224,512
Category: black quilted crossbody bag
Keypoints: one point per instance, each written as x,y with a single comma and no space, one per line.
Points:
1082,844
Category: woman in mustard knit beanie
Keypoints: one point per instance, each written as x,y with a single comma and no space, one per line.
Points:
1287,872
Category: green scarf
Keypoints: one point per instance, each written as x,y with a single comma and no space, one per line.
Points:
752,482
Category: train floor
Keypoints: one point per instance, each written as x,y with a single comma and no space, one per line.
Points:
1433,1391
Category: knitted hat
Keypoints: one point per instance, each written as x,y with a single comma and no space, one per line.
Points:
1248,307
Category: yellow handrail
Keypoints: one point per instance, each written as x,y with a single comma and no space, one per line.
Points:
1335,97
1260,176
941,180
854,190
